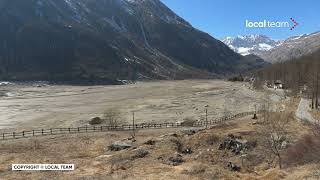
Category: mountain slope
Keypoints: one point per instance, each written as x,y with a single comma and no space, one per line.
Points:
275,51
294,47
104,41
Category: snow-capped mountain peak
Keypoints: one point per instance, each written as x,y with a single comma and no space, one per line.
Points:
250,44
273,50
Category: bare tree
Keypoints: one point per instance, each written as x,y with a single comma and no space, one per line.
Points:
113,117
275,131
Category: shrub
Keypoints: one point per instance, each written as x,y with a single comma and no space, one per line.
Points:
176,160
212,139
140,153
236,78
178,144
188,122
180,148
95,121
150,142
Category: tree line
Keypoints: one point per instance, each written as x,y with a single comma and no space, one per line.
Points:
300,75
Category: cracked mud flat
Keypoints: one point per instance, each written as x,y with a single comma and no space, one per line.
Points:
29,107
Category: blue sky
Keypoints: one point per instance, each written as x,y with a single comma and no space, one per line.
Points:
221,18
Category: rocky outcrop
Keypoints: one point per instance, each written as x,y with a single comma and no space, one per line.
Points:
120,145
236,144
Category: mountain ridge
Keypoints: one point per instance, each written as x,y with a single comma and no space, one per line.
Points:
251,44
106,41
275,51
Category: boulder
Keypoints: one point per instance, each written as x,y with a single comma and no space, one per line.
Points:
96,121
120,145
233,167
236,144
189,132
150,142
176,160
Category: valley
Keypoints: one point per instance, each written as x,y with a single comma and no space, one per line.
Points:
32,107
147,89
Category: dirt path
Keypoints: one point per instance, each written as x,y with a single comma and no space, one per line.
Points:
303,111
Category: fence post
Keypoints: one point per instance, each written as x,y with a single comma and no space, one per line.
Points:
206,118
137,126
133,126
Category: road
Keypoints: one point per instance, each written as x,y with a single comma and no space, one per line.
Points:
303,111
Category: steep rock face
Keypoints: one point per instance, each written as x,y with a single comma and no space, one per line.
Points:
105,41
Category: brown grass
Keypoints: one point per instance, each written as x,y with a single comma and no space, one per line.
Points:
93,159
305,150
316,114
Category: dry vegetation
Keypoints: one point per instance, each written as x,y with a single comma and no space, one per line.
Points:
274,146
176,153
315,114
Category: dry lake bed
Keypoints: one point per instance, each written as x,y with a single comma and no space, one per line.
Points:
30,107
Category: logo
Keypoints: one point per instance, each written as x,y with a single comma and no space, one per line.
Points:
295,24
271,24
42,167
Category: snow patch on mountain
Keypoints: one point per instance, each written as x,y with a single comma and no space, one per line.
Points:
275,50
243,51
265,47
251,44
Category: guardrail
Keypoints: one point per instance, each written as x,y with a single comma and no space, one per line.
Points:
127,127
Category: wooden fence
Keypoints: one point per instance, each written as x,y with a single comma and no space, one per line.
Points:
127,127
